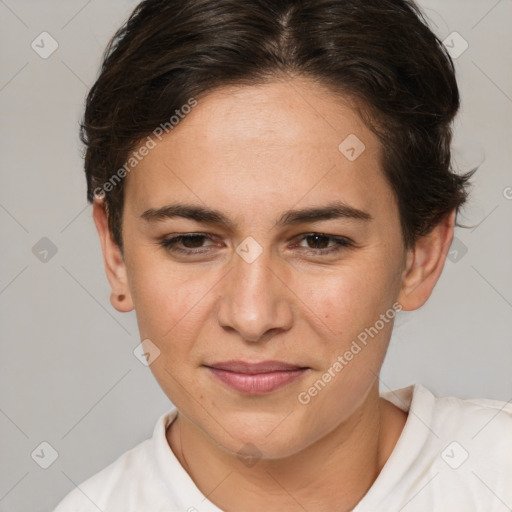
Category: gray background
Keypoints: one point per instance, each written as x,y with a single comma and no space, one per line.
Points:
68,375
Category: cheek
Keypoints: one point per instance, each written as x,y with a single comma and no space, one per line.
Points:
350,297
165,298
168,309
352,338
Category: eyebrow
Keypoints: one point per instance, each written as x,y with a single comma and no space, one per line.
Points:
336,210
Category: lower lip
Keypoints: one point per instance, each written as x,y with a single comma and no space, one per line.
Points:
256,384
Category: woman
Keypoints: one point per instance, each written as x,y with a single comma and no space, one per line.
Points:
271,184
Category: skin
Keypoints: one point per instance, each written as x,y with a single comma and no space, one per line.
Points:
252,153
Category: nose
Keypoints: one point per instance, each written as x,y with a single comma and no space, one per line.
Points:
255,299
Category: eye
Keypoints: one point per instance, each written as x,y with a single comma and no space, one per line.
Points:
191,243
320,242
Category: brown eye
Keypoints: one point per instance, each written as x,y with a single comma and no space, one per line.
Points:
319,243
187,244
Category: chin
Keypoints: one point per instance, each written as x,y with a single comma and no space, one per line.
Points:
247,441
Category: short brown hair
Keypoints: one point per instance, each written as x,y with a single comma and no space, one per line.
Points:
380,53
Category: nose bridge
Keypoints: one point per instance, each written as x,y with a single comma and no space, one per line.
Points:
253,296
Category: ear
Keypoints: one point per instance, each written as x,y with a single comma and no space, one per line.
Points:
425,262
115,267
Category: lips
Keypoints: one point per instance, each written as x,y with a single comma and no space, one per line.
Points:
254,368
255,378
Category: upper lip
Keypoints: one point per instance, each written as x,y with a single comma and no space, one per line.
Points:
253,368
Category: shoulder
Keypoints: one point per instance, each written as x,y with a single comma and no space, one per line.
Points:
113,480
478,429
454,453
478,416
132,481
473,437
451,413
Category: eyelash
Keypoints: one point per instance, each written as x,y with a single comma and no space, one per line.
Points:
169,244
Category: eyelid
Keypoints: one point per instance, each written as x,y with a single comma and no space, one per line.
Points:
341,238
169,243
341,242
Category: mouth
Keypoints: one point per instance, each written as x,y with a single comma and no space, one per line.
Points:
255,378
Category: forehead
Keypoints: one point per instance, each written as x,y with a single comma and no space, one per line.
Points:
294,115
274,145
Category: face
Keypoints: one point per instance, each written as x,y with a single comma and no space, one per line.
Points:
302,255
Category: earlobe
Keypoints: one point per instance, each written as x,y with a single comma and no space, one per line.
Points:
115,267
425,262
121,302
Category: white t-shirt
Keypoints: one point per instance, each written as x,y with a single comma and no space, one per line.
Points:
453,455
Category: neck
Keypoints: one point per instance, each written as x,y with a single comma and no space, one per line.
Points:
333,473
